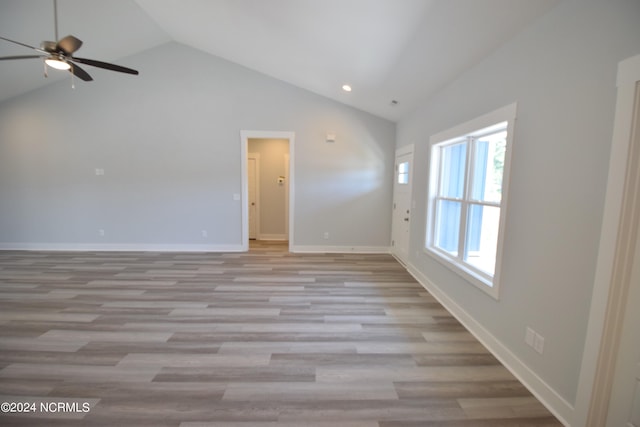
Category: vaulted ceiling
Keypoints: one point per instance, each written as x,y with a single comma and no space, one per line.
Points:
387,50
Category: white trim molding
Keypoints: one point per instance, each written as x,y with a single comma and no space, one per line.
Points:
406,149
502,119
118,247
340,249
245,135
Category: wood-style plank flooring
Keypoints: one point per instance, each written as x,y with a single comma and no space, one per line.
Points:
258,339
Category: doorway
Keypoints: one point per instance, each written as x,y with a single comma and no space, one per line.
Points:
268,177
401,215
267,186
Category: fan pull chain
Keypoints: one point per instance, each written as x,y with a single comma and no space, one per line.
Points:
73,80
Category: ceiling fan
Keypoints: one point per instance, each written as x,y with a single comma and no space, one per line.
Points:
59,55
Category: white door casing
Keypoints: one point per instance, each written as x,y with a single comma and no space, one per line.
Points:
624,403
253,172
616,277
401,215
287,168
245,135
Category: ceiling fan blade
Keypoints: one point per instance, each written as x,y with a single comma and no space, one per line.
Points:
69,44
21,44
105,65
3,58
80,73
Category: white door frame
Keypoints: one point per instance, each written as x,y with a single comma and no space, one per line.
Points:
611,282
245,136
287,202
401,152
256,157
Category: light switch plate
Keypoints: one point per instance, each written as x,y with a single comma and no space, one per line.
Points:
530,337
538,344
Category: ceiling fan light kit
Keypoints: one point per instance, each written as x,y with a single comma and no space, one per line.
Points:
59,55
57,63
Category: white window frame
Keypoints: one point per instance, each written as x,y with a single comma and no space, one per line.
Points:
403,175
476,127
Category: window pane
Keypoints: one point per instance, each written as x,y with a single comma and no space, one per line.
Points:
488,167
482,237
403,173
447,225
452,170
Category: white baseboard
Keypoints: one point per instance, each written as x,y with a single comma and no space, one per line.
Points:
119,247
340,249
143,247
562,409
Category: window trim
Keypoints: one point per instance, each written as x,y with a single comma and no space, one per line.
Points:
479,126
402,174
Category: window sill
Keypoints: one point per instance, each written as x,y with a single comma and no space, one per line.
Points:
467,274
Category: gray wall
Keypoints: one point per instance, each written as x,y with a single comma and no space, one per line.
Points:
562,74
169,143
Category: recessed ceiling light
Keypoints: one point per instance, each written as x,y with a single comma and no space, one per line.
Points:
346,88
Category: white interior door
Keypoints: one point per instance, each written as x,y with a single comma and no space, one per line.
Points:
401,218
253,165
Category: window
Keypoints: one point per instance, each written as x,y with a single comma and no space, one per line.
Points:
403,173
467,192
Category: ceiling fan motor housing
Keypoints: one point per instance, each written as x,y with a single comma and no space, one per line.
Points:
48,46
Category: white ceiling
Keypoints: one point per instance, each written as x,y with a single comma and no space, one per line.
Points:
401,50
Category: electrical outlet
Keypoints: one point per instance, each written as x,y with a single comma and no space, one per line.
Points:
326,235
205,233
101,232
534,340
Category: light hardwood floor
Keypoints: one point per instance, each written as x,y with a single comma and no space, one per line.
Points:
258,339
